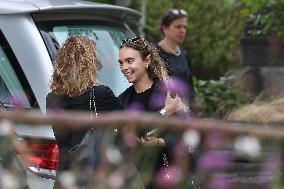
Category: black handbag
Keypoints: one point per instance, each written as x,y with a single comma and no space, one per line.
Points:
87,154
2,106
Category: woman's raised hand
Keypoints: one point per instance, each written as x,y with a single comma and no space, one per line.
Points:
173,104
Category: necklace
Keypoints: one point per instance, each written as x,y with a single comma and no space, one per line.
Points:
176,52
145,89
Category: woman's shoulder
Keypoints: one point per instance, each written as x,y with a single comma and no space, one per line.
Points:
104,93
102,89
185,53
105,99
53,99
51,94
161,51
126,92
124,97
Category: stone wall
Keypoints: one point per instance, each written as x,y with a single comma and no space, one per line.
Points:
258,81
262,74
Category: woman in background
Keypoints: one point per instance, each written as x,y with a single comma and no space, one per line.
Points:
173,26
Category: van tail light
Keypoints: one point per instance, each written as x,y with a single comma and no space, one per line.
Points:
41,157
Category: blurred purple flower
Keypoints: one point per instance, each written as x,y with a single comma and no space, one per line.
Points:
178,86
135,106
173,85
55,110
215,140
168,176
214,160
220,181
130,139
17,102
157,100
180,149
270,169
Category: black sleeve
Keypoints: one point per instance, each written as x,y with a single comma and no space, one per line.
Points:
110,101
52,101
48,101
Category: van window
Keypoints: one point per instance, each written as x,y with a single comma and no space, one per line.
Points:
12,92
108,39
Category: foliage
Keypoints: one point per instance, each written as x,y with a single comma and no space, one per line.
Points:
215,28
214,31
264,16
217,97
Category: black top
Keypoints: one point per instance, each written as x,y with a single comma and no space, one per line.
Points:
66,138
151,100
141,100
179,66
104,98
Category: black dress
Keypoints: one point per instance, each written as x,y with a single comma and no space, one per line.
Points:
179,67
67,138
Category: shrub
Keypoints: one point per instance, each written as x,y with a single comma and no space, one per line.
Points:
218,97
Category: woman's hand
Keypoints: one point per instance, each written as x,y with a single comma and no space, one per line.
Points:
152,141
172,104
175,104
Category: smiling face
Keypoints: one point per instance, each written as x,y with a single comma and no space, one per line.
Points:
132,66
176,31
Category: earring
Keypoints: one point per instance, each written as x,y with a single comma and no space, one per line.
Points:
147,66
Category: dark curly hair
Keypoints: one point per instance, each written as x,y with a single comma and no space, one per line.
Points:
156,69
76,66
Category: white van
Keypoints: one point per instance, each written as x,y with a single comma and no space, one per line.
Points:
31,31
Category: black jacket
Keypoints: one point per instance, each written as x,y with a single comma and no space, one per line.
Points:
67,138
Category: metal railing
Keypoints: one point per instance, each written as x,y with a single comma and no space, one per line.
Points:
215,160
118,119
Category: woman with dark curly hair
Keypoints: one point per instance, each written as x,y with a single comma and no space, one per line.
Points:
75,87
142,66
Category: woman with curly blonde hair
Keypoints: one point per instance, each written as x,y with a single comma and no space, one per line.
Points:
74,86
76,67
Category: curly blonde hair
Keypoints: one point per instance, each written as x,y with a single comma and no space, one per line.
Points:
156,69
75,67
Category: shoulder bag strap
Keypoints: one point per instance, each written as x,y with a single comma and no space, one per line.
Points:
93,108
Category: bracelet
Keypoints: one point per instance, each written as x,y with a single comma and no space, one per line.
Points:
187,110
163,112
